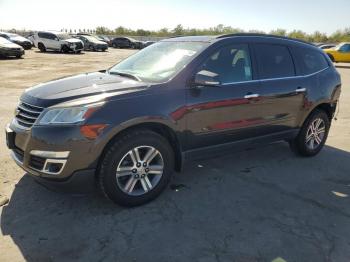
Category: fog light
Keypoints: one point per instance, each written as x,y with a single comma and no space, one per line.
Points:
54,166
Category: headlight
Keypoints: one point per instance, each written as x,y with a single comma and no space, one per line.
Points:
71,115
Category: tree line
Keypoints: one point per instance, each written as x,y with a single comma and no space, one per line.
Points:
319,37
342,35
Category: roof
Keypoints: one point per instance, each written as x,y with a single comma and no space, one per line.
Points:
201,38
215,37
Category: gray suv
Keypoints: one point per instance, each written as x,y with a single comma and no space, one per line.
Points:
127,128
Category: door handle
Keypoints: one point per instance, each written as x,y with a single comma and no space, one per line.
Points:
251,96
300,90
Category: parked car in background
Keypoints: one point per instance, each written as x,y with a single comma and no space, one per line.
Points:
17,39
148,43
340,53
57,41
127,42
105,39
30,37
92,43
8,48
129,127
327,46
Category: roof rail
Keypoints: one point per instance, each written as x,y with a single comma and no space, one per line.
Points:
264,35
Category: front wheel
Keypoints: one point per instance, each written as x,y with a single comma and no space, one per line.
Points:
65,49
41,47
312,135
136,168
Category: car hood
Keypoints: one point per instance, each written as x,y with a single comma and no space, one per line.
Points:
330,50
99,42
19,39
80,86
72,40
10,45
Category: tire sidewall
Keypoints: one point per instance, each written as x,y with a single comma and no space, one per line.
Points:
112,158
41,47
301,139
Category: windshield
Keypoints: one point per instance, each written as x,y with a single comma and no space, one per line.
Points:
159,62
91,38
337,47
63,36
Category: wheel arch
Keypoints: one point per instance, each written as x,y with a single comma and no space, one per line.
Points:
160,128
328,107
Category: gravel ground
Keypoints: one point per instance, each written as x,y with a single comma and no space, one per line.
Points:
263,204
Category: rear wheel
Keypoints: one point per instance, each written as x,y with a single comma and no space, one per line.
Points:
312,135
41,47
136,168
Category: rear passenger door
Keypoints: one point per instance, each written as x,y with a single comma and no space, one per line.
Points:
281,92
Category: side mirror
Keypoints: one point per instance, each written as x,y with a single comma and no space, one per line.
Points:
206,78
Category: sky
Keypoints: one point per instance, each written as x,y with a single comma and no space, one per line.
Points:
306,15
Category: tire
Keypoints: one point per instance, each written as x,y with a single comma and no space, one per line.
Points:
41,47
18,56
143,185
306,143
65,49
114,45
92,48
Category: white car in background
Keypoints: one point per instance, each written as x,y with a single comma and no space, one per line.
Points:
57,41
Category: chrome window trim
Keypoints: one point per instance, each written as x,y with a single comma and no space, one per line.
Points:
277,78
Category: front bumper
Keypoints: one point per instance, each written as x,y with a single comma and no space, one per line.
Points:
25,45
54,155
11,52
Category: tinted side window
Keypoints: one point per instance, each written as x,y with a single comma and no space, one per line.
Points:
274,61
345,48
311,61
230,64
51,36
42,35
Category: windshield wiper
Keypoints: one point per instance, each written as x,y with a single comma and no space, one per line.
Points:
125,75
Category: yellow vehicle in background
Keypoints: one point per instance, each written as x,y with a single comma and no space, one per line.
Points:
340,53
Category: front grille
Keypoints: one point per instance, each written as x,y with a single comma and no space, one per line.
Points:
37,162
78,45
27,114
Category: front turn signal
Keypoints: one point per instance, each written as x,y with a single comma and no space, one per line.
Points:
92,131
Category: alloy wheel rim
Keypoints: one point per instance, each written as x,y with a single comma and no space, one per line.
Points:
140,170
315,134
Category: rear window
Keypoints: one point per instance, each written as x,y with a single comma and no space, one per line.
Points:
274,61
311,61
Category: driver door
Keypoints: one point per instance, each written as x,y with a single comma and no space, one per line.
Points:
230,110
